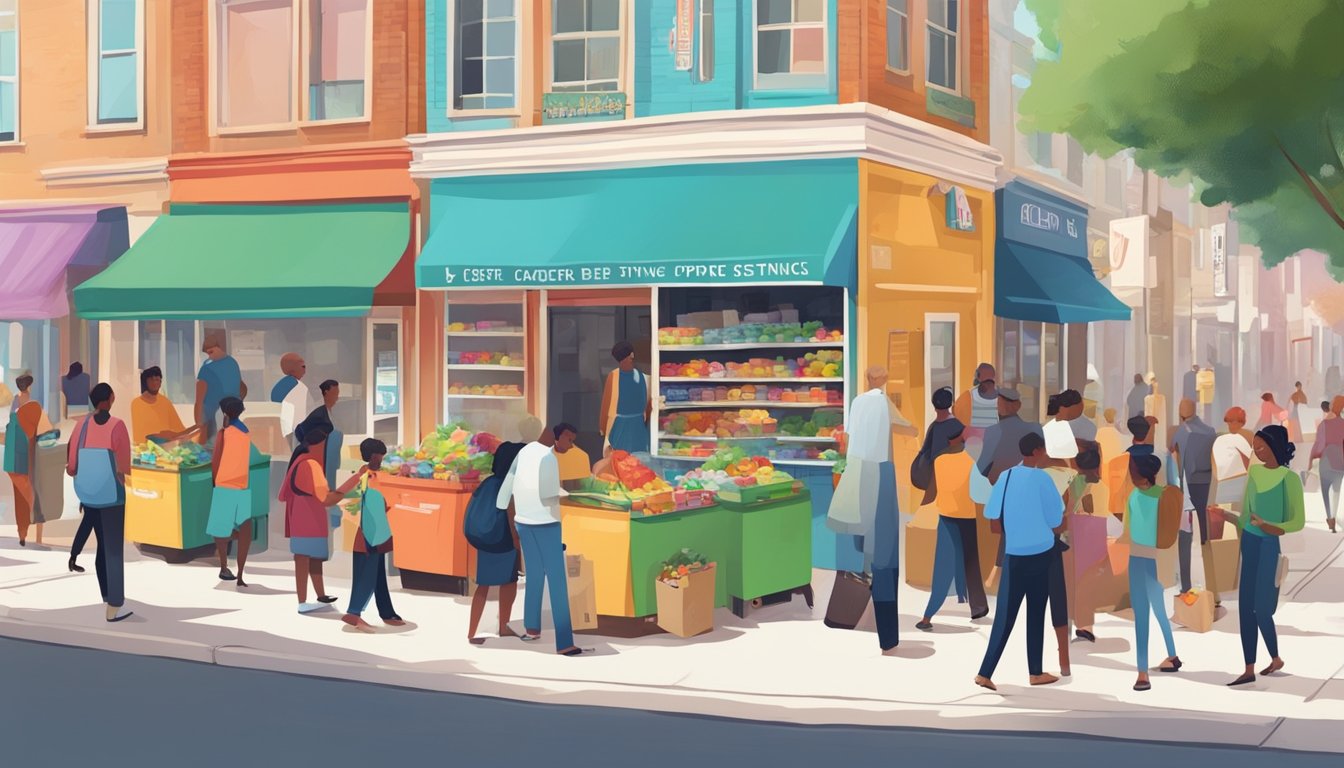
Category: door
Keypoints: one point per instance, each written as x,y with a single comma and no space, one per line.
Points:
386,403
940,357
581,338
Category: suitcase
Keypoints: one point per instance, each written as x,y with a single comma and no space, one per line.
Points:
849,599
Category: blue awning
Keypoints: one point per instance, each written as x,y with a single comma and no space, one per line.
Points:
1043,286
734,223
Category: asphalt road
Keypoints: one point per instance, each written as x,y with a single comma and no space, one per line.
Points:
64,707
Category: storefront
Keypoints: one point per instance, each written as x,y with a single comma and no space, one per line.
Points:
1045,294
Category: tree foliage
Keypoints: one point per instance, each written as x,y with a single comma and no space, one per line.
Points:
1246,97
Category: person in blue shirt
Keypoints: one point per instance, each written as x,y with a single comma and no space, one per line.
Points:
1027,509
373,543
219,377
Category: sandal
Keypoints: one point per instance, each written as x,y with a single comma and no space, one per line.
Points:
1143,685
1083,634
924,626
1272,668
1175,665
574,651
1243,680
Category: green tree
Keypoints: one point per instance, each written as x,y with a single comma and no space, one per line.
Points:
1246,97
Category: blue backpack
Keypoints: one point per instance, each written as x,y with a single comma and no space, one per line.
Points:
485,525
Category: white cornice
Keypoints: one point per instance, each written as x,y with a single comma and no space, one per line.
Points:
829,131
147,171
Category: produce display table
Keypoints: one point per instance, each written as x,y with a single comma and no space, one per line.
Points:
426,517
166,510
771,555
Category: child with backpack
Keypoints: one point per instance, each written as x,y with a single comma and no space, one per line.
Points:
1152,522
373,542
490,530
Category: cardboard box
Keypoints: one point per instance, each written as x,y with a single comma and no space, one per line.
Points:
1197,617
582,592
702,320
920,544
686,609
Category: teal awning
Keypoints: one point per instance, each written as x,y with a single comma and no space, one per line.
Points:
203,262
748,223
1043,286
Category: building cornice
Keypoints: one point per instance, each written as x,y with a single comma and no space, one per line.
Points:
808,133
384,155
147,171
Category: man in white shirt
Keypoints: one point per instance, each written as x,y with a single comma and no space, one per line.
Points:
291,394
533,483
874,420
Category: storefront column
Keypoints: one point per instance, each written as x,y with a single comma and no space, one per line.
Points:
117,364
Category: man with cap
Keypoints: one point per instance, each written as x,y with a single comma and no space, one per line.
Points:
1002,438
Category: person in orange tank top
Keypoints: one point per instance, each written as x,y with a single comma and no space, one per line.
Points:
231,504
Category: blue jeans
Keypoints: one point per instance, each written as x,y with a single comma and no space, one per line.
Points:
1257,596
956,560
544,559
370,580
1146,595
1331,480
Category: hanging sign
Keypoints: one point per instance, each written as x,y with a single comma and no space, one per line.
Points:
579,107
1219,247
684,35
959,216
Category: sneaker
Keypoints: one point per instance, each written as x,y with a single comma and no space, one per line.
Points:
311,607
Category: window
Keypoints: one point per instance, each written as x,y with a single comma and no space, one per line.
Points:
9,71
1041,147
944,27
1115,185
255,63
585,45
116,62
706,41
898,35
1073,169
337,59
791,43
485,45
171,345
940,355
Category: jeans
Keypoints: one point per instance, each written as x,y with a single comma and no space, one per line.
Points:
1026,577
544,560
81,535
370,580
957,554
1257,596
109,525
884,607
1331,480
1146,595
1199,496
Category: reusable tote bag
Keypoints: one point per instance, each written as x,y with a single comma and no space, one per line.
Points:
96,482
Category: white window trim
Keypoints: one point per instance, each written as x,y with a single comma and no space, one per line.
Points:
929,319
306,42
705,56
621,34
95,55
520,60
17,141
757,28
956,90
371,380
908,41
300,13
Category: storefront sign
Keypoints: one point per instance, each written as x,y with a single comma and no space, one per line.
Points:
683,39
1035,218
580,107
959,216
607,273
1218,241
1129,252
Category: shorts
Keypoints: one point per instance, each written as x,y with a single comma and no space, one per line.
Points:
230,508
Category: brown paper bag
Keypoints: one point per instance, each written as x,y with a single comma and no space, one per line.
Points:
582,592
1197,617
686,609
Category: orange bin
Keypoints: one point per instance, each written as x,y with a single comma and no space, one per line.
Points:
426,518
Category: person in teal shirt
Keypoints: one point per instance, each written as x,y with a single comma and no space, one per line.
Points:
626,404
219,377
1145,590
1273,506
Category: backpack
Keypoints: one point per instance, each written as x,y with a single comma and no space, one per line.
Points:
1170,505
921,469
485,526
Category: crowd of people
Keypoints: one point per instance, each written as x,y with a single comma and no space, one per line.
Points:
1049,491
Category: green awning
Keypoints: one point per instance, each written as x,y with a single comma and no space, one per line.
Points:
734,223
202,262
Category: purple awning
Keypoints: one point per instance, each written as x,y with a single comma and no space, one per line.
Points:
41,247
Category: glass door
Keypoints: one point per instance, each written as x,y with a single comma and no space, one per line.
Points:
386,403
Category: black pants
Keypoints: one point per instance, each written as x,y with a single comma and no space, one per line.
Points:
1026,577
1059,591
370,581
81,535
1199,496
109,525
885,584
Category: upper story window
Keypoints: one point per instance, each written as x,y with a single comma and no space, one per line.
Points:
116,63
791,44
586,45
485,54
9,71
898,35
257,73
944,45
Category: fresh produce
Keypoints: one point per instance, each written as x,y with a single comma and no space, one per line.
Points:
490,358
492,390
683,564
181,456
451,453
822,364
638,480
671,337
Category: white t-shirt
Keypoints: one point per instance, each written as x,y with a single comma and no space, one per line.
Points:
533,483
293,409
871,417
1228,451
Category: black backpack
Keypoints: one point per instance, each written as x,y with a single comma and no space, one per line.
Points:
486,526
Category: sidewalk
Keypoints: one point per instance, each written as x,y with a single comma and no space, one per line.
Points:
780,664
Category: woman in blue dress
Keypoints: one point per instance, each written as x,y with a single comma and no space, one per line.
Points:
495,569
625,403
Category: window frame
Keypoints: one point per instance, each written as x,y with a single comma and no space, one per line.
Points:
95,83
623,22
305,21
929,27
452,64
16,79
704,59
906,44
791,81
930,318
